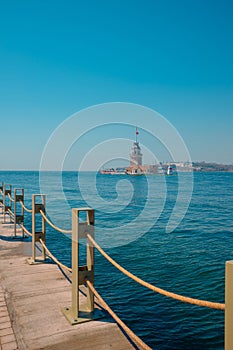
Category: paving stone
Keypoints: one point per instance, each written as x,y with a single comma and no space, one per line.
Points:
6,331
5,325
4,319
7,338
10,346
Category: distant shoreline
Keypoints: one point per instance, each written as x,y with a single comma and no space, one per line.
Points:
96,171
202,166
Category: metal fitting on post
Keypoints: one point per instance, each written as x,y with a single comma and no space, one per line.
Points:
18,216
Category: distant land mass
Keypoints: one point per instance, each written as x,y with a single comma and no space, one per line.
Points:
208,167
138,167
169,168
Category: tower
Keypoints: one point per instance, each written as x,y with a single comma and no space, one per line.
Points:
136,154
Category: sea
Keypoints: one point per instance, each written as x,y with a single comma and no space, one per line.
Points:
189,259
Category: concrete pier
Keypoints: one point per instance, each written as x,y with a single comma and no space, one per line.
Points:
31,299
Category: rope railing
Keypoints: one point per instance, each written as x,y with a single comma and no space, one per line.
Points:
24,207
52,225
130,333
179,297
198,302
10,212
25,230
10,197
38,234
53,257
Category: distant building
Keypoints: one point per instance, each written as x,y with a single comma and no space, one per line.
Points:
136,155
137,167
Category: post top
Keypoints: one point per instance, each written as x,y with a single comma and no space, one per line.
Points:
82,209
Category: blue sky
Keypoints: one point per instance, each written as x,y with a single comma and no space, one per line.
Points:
58,57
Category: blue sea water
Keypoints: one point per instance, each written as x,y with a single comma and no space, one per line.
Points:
189,261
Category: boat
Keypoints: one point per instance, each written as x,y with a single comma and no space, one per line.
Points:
169,170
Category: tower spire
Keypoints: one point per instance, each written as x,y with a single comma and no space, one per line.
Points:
137,134
136,154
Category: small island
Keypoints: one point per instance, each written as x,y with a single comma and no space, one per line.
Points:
136,166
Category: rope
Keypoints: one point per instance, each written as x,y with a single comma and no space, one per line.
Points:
25,208
11,199
179,297
53,257
52,225
10,212
117,319
25,230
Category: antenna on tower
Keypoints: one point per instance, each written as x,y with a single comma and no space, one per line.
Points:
137,134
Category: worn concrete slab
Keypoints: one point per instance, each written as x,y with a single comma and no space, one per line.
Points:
34,296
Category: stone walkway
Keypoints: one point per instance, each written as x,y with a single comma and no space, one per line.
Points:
34,296
7,337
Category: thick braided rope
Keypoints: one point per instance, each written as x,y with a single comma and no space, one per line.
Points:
52,225
179,297
131,334
11,199
25,230
25,208
10,212
53,257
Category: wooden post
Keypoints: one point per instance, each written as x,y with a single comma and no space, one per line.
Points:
86,312
6,202
37,235
229,306
18,218
90,260
1,194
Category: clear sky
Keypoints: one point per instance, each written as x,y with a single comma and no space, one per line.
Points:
58,57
